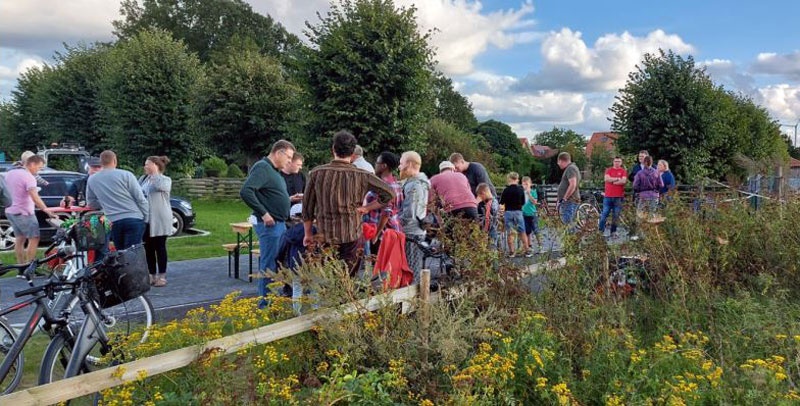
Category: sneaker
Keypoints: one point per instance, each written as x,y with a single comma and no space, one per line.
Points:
512,255
529,254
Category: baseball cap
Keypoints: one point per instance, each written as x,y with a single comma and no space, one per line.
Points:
26,155
446,165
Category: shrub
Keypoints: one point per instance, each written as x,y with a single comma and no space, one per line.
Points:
215,167
234,171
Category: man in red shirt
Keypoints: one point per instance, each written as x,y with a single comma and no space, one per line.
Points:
615,179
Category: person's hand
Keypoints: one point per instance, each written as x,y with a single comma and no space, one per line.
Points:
52,215
268,220
362,210
308,240
296,197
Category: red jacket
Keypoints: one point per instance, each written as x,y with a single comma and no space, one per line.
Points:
392,260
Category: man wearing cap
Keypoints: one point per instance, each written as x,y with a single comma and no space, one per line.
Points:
21,165
76,195
451,191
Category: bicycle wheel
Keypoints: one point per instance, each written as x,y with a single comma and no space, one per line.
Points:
54,364
7,338
121,320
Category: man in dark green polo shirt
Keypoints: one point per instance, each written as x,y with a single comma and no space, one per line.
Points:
264,191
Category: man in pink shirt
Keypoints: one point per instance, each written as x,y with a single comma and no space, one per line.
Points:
21,184
452,190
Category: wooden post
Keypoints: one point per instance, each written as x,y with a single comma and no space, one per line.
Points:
425,313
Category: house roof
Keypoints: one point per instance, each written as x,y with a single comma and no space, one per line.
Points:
525,143
794,163
604,139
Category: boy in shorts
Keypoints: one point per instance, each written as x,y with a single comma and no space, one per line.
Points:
513,198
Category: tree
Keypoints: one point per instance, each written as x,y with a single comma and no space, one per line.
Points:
70,105
452,106
205,26
368,71
445,138
506,147
672,109
28,126
558,138
598,162
145,95
242,106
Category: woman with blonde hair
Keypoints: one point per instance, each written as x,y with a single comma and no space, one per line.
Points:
668,189
156,188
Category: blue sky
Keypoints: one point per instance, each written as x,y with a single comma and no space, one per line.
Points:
534,64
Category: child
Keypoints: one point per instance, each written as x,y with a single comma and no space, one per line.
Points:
487,212
529,211
513,198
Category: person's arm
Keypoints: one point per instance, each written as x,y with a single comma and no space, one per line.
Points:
382,189
309,211
534,196
504,196
255,181
138,196
632,174
573,184
34,193
621,181
161,183
91,198
409,202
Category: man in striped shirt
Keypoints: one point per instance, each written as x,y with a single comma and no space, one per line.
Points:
333,197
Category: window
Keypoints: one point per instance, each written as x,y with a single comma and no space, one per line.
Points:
58,187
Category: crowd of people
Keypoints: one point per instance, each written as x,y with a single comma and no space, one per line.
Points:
348,205
139,210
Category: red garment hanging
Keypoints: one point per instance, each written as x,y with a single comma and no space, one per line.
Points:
392,260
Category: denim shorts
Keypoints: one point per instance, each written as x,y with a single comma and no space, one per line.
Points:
513,220
24,225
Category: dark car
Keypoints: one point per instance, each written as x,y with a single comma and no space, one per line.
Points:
183,216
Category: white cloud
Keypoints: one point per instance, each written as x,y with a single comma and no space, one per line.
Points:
569,64
782,101
11,73
786,65
464,31
727,73
545,106
42,25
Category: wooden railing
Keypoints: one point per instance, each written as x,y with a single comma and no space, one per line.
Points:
217,188
82,385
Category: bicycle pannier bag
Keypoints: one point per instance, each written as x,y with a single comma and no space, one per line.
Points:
122,276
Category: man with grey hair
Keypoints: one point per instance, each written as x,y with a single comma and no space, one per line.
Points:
360,162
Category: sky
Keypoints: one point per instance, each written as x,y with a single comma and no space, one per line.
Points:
532,64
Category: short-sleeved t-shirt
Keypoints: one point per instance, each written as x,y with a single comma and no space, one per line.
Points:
570,172
513,197
19,182
529,209
613,190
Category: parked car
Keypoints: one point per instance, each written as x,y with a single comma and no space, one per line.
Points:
183,216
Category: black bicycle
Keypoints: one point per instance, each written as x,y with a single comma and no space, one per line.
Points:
11,345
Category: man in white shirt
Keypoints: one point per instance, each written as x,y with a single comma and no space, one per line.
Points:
360,162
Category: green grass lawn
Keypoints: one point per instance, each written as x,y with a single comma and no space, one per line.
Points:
213,216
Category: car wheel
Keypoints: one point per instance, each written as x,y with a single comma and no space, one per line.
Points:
7,239
177,224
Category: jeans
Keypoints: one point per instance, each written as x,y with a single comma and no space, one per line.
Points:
269,239
609,204
568,211
127,232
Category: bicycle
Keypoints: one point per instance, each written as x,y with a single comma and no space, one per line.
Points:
11,344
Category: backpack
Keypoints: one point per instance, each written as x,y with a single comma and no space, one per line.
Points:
5,194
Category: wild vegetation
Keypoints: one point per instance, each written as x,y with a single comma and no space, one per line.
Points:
707,315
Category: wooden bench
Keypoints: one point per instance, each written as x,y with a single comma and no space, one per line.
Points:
233,249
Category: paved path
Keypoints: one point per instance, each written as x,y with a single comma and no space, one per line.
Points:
202,282
191,284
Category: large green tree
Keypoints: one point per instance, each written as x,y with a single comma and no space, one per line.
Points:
205,26
671,108
509,154
145,96
563,140
452,106
369,70
445,138
70,105
28,126
244,105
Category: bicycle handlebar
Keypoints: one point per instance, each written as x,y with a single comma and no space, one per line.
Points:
65,253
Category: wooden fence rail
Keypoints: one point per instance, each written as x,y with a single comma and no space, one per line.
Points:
96,381
223,188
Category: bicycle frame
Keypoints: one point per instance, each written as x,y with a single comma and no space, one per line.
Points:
86,338
42,311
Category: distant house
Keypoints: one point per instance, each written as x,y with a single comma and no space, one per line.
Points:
542,151
601,140
525,143
794,168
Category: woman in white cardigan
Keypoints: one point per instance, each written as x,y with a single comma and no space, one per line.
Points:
156,188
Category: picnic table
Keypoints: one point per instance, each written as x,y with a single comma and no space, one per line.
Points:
244,239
